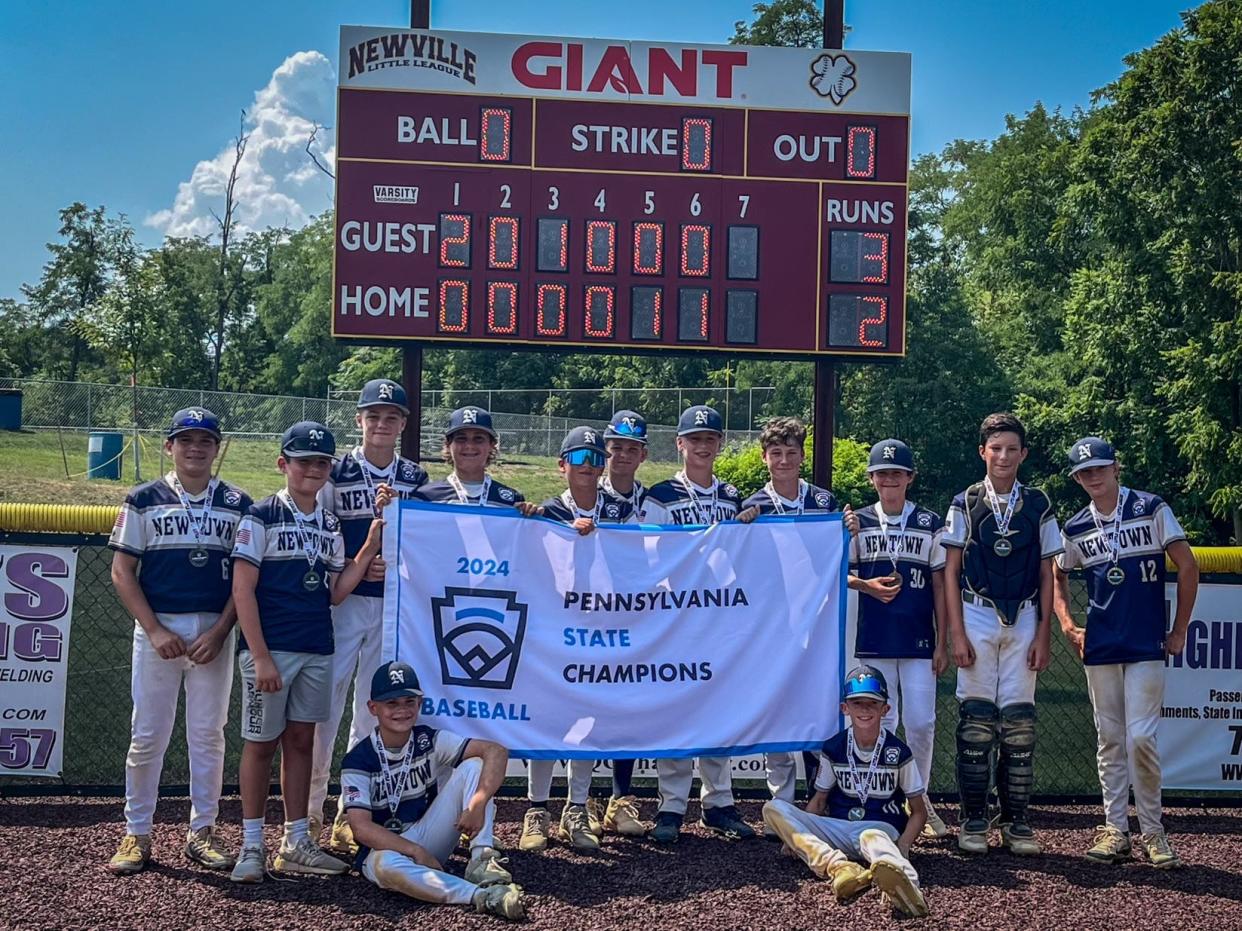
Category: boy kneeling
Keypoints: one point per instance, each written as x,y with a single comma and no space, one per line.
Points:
405,826
866,775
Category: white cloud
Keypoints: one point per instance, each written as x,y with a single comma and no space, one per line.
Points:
277,185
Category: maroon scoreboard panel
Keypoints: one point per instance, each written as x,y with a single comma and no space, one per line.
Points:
524,209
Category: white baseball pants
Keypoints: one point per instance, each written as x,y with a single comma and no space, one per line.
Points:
1000,673
676,776
821,842
782,773
1126,699
437,833
357,632
155,685
539,780
912,697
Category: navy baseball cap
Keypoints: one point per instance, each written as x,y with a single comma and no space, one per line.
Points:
1089,452
383,391
865,682
627,425
470,418
395,680
307,439
583,438
194,418
700,419
890,454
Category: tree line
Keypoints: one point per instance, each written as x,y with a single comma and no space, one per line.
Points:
1081,269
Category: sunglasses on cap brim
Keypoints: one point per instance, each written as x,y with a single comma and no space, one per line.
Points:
591,457
635,431
866,687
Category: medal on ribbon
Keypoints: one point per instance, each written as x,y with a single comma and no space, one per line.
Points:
393,784
1112,539
460,489
778,503
862,784
1002,546
696,505
306,539
200,524
389,477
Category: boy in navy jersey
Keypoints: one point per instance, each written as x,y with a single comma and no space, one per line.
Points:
1119,541
866,779
170,568
582,505
695,497
289,568
1000,540
358,621
410,791
783,444
470,445
897,566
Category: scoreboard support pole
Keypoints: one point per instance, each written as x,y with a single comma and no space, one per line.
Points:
412,354
824,400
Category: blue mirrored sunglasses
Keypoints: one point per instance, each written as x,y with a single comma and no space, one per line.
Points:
591,457
626,429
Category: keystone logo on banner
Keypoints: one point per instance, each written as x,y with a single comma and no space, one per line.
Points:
479,637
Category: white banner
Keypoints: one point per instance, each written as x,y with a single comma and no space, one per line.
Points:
36,608
849,81
632,642
1200,736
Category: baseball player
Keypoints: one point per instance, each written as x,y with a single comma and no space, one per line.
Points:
582,505
1000,540
170,568
470,445
410,791
695,496
289,567
625,440
867,778
897,566
783,444
358,621
1120,540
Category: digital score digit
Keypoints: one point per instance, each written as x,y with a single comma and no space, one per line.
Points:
716,201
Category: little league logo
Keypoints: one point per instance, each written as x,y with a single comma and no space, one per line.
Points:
892,755
479,636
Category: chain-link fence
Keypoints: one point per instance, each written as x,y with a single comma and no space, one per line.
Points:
530,422
98,702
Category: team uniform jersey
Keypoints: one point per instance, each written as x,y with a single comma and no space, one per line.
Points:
1125,622
896,779
499,495
679,502
812,500
905,627
293,619
348,495
362,777
633,500
613,509
153,526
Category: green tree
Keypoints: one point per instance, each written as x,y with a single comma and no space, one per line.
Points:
797,23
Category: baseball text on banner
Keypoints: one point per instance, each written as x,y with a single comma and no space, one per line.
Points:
1200,736
629,642
36,608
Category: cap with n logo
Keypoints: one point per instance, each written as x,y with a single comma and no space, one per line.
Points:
307,439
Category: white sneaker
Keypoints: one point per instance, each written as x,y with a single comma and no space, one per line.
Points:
251,865
305,857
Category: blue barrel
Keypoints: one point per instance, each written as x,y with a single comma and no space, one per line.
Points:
10,409
103,455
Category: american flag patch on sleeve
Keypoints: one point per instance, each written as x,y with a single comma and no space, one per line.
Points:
243,536
120,519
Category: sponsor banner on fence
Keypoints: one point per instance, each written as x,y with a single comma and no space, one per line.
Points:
1200,736
36,608
632,642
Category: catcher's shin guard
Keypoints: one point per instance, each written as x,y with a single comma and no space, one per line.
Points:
977,725
1015,771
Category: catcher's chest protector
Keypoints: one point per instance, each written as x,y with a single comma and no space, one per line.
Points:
1006,581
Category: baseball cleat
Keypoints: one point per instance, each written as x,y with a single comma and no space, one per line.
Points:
898,889
667,827
576,827
503,901
622,817
487,869
935,826
535,826
848,879
306,858
1110,846
342,839
726,822
1160,852
132,855
204,848
595,816
1019,837
251,865
973,836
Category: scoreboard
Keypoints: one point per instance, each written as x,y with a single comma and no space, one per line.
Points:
531,191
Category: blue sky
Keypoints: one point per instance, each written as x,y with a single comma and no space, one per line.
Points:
132,105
